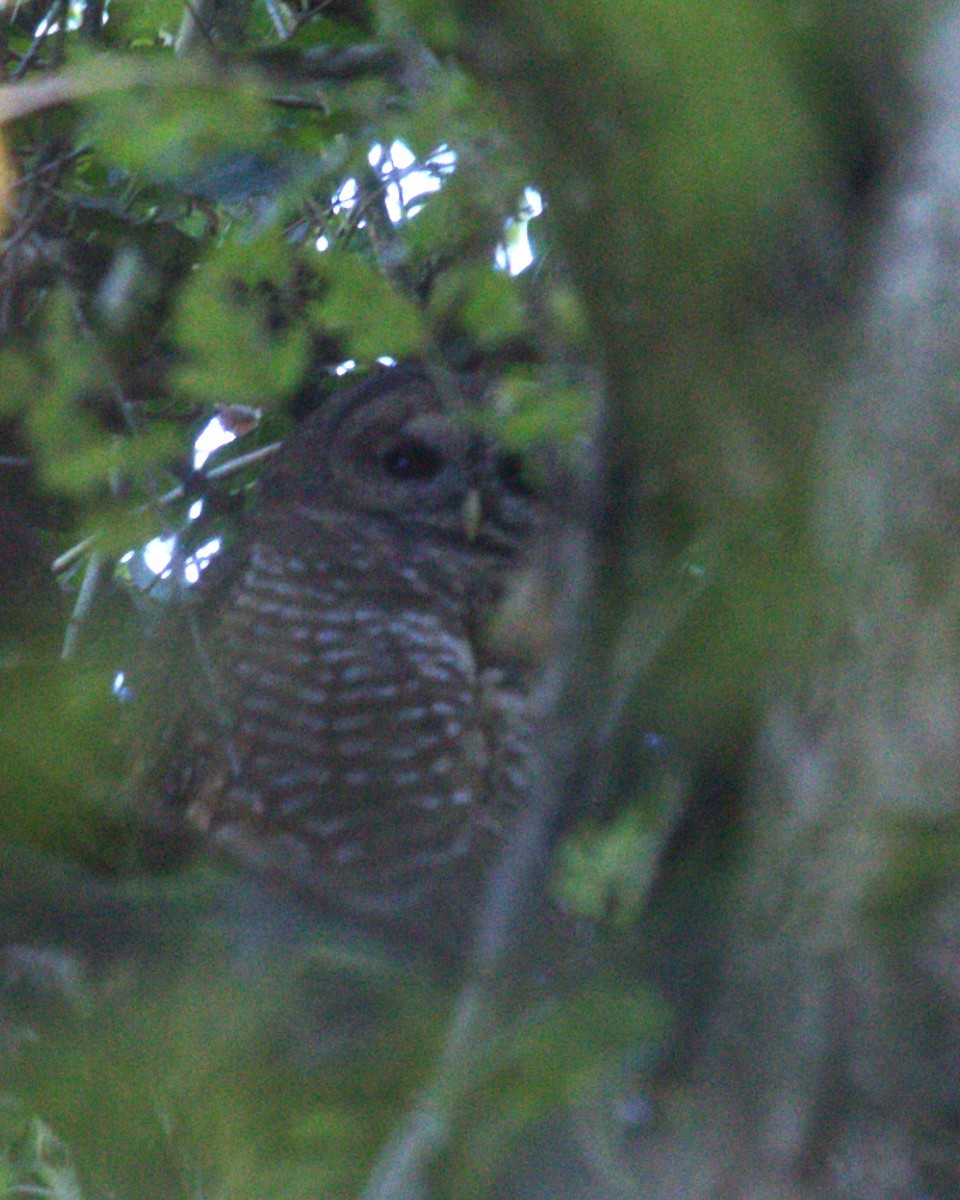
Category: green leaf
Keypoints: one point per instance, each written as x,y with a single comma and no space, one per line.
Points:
371,315
100,456
531,411
173,128
74,454
20,381
486,303
569,1052
225,323
605,871
146,19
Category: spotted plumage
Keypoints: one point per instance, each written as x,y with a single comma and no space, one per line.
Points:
356,737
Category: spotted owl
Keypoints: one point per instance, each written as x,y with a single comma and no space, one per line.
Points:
355,735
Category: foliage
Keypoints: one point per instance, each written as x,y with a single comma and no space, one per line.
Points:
222,224
222,206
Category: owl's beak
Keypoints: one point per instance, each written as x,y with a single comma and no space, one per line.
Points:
472,514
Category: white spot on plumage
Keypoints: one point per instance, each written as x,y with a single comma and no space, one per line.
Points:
351,724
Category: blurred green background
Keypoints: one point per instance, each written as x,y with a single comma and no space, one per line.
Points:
675,230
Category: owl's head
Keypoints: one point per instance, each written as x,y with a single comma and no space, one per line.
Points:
406,448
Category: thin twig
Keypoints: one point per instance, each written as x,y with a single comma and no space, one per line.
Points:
584,678
82,607
338,65
193,27
229,468
69,557
511,892
235,464
54,164
282,26
220,713
39,39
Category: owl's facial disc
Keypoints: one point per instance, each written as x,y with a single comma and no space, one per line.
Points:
430,469
407,456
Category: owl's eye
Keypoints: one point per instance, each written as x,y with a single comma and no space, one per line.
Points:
514,476
413,460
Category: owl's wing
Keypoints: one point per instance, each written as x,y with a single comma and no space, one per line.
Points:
174,699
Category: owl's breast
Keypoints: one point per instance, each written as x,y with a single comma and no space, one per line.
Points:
362,756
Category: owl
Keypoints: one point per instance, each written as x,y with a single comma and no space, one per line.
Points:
354,735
